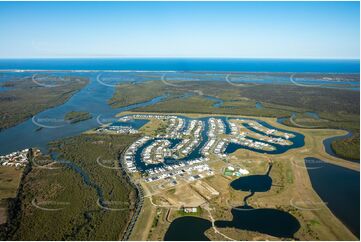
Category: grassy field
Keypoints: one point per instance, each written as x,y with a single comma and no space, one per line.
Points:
56,204
9,182
25,98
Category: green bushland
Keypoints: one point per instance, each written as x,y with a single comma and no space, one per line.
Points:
80,217
74,117
348,148
25,98
200,104
337,108
128,94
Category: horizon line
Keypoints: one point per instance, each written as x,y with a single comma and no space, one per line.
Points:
182,57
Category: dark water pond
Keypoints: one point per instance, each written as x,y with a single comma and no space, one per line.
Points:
188,229
339,187
253,183
263,220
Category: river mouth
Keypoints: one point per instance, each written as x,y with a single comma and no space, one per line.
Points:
93,98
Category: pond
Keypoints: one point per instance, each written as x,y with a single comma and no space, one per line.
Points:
188,229
259,105
263,220
253,183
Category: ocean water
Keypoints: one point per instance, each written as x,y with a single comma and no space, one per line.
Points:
184,64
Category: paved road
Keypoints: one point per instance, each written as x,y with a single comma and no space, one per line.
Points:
138,202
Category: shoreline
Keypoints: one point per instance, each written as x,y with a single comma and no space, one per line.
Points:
15,70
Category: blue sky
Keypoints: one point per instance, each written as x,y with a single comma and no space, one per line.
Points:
180,29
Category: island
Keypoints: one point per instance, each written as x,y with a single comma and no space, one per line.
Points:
75,117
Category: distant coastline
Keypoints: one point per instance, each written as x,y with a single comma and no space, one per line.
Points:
183,64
